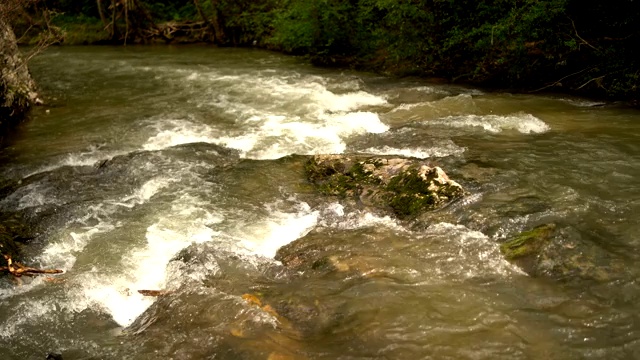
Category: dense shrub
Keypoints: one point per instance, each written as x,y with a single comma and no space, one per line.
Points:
585,46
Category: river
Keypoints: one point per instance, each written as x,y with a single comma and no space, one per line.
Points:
179,169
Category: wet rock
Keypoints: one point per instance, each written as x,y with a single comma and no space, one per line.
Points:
528,243
8,247
408,187
561,254
13,234
474,172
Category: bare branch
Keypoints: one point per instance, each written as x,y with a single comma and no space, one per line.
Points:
598,81
17,269
558,82
579,37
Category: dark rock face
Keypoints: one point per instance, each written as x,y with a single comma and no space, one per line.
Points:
17,89
13,234
406,186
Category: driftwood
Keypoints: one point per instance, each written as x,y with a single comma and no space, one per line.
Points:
167,31
155,292
18,270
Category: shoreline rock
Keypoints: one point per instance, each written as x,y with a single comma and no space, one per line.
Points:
17,88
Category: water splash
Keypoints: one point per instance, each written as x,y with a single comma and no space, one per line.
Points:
521,122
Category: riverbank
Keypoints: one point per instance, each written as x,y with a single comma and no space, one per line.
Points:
88,35
560,46
17,89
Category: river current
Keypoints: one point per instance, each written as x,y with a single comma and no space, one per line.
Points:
180,169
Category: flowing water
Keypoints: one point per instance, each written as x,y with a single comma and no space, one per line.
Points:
181,170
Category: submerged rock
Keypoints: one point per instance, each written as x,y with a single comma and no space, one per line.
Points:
406,186
527,243
560,254
13,235
8,247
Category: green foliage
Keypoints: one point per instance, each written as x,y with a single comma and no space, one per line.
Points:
323,29
590,44
246,21
172,10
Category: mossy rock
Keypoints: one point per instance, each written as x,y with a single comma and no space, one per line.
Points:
528,243
405,186
561,254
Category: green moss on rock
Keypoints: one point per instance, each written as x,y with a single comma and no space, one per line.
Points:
528,243
406,186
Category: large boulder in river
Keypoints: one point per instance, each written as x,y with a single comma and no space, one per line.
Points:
406,186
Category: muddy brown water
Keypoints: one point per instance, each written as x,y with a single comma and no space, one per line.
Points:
178,169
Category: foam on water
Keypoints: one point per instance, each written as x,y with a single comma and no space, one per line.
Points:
419,153
466,253
583,102
25,314
334,216
295,136
458,105
524,123
275,115
62,254
296,92
145,192
430,90
145,268
272,137
265,237
89,157
31,195
172,132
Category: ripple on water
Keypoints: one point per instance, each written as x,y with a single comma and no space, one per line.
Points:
521,122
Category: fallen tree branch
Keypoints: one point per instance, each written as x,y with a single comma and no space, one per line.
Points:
598,81
579,37
51,35
17,269
154,292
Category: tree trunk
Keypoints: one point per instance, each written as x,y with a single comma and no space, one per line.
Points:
126,19
211,30
17,89
115,34
217,19
101,12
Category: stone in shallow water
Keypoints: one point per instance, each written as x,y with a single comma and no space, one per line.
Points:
560,253
406,186
527,243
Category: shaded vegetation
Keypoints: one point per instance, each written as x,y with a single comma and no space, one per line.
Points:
587,47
